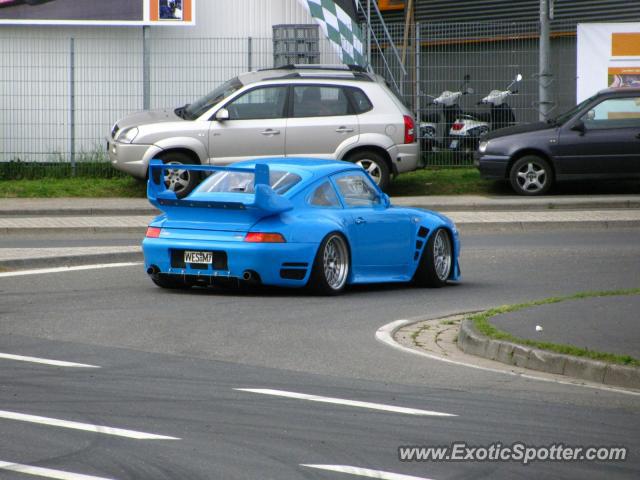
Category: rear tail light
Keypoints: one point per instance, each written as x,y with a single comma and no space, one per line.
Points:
259,237
153,232
457,126
409,129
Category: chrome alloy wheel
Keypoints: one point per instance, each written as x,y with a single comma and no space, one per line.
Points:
335,262
531,177
442,255
176,179
372,168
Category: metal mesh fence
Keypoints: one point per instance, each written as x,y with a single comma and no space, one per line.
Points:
60,96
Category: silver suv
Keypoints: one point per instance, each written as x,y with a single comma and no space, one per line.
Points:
339,112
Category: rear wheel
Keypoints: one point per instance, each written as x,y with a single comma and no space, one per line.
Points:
180,181
168,282
374,164
331,266
531,175
436,262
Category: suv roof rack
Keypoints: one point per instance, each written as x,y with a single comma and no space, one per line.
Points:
346,75
310,66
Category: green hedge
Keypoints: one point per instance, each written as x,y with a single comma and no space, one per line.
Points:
17,170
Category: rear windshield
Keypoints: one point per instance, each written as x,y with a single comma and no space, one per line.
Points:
241,182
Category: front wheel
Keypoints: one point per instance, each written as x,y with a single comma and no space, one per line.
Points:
331,266
374,164
531,175
180,181
436,261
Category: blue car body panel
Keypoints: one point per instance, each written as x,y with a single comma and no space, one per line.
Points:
385,242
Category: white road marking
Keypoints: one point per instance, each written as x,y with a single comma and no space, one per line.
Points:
46,472
46,361
40,271
364,472
54,422
350,403
385,335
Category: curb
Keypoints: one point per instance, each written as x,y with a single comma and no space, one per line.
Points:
71,260
473,342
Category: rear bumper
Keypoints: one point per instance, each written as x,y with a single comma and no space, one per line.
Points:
280,264
405,157
491,167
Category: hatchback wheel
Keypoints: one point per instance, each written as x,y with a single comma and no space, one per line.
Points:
531,175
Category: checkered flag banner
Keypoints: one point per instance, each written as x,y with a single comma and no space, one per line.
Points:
341,30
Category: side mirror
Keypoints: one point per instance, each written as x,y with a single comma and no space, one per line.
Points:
222,115
579,127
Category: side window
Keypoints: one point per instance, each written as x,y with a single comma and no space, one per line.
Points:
258,104
356,191
324,196
316,101
614,113
362,102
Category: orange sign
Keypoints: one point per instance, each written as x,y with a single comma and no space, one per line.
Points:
390,5
166,10
625,44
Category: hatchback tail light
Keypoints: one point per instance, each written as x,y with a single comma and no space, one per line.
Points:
153,232
259,237
457,126
409,130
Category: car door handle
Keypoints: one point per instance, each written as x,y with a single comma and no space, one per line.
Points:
344,130
270,131
360,221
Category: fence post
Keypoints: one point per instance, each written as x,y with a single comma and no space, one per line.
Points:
249,53
418,76
146,69
72,107
545,77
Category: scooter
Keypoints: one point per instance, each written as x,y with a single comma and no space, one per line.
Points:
450,110
467,131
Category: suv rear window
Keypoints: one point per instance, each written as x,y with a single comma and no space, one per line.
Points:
241,182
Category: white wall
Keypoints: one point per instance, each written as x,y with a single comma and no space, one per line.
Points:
186,62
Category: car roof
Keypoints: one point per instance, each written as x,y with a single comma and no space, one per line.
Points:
621,90
313,167
311,71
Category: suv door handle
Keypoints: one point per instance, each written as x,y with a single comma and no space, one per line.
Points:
270,131
360,221
344,130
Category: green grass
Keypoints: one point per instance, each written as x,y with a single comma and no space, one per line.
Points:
73,187
443,181
482,324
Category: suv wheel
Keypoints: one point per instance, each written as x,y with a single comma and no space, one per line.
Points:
374,164
531,175
182,182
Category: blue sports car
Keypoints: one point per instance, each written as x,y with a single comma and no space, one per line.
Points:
292,223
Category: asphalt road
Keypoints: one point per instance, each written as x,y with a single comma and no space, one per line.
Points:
171,361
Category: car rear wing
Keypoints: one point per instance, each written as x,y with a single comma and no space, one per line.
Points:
263,201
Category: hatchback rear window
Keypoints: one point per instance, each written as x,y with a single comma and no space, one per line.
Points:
241,182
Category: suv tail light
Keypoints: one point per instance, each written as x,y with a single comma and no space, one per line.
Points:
409,130
259,237
457,126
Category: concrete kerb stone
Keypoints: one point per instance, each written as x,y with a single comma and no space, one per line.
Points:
473,342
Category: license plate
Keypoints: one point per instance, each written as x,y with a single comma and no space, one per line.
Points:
198,257
454,144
